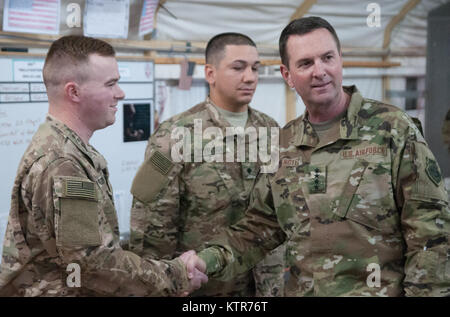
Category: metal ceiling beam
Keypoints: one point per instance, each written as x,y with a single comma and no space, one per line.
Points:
11,39
201,60
303,9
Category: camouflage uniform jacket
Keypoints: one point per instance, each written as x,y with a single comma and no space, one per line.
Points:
62,212
181,209
366,214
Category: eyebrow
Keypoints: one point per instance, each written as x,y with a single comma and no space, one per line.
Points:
113,80
328,52
310,58
240,61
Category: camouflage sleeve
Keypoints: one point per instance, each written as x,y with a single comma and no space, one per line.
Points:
238,248
269,274
85,238
155,213
425,218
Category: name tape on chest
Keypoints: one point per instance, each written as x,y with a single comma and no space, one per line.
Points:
290,162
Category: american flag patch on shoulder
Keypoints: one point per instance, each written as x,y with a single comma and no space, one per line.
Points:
80,189
161,162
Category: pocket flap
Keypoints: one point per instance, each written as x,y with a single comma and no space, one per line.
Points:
341,205
78,223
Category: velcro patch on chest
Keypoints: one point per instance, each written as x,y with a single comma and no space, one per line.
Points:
161,163
371,150
80,189
318,179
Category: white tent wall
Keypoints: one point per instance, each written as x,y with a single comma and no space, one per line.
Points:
270,97
178,100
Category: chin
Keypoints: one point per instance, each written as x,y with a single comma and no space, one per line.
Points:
110,122
244,101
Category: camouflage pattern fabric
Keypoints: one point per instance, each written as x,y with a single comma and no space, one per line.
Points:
62,212
363,215
183,206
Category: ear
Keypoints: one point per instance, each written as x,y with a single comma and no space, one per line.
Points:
286,75
72,91
210,74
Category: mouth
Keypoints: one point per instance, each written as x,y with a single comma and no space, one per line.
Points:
321,85
247,90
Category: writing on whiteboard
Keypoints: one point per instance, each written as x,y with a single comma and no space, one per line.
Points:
130,165
17,132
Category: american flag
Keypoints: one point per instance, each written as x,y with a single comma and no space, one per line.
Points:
148,12
32,16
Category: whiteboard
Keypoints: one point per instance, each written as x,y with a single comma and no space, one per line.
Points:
23,107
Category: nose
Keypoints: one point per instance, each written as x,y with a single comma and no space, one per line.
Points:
319,69
119,93
250,75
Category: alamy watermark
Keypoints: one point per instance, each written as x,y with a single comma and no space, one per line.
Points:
74,17
74,278
208,145
374,18
374,278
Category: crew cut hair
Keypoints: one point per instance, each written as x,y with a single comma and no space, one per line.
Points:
303,26
69,52
215,49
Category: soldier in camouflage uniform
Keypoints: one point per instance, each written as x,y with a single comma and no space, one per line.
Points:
62,209
179,206
358,195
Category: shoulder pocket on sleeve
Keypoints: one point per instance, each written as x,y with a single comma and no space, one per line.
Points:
151,177
78,223
429,183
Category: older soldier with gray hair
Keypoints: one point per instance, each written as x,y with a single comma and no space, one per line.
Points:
62,211
358,197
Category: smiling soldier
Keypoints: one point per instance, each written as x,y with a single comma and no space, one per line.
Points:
62,215
358,197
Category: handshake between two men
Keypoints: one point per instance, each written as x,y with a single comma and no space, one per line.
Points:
196,269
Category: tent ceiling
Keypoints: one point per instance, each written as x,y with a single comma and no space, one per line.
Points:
263,20
196,21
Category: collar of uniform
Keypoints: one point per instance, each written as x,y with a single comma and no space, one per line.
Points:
254,120
349,124
304,132
217,118
349,131
71,135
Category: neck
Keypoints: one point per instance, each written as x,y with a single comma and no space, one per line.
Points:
222,103
64,114
324,112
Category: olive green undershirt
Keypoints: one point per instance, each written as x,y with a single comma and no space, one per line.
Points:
236,119
328,130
